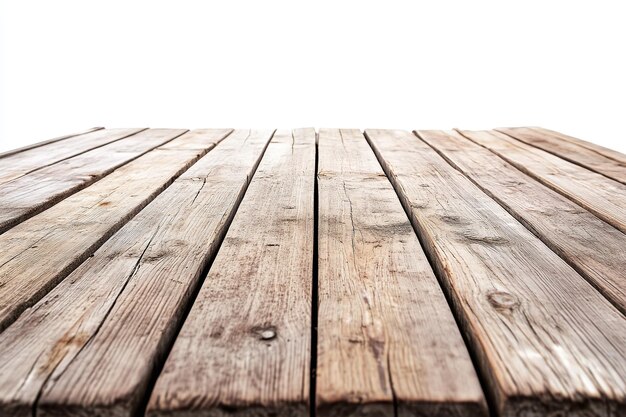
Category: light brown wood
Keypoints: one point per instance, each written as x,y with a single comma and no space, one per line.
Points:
46,142
570,151
23,161
546,342
104,332
600,195
592,247
39,253
23,197
386,337
609,153
245,347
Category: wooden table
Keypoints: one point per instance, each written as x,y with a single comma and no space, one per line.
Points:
334,273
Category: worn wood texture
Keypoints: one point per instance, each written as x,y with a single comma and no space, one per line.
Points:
600,195
40,252
47,142
105,330
30,194
386,337
22,161
546,342
610,153
570,151
592,247
245,347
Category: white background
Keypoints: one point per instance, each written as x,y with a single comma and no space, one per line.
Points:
70,65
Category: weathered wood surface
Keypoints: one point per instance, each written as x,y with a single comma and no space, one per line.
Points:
40,252
600,195
507,264
592,247
380,346
46,142
30,194
570,151
15,164
120,310
545,340
245,347
610,153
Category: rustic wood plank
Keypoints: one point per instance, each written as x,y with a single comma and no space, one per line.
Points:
609,153
592,247
40,252
569,151
46,142
386,336
245,347
600,195
104,331
30,194
545,340
17,164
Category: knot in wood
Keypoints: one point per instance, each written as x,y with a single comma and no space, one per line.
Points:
502,301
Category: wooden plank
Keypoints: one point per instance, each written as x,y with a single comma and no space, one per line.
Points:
18,164
600,195
103,333
39,253
592,247
546,341
30,194
569,151
609,153
245,346
386,336
46,142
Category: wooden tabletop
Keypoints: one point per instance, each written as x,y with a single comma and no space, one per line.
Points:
221,272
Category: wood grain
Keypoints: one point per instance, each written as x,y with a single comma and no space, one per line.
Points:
386,336
118,313
609,153
18,162
23,197
46,142
570,151
600,195
37,254
592,247
546,341
245,347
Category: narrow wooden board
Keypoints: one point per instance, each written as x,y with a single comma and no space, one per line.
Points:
592,247
387,339
600,195
545,340
569,151
39,253
104,332
46,142
609,153
30,194
21,162
245,346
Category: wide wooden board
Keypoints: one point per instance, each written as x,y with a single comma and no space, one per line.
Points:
245,346
21,162
105,330
600,195
46,142
546,342
592,247
570,151
38,253
386,337
30,194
